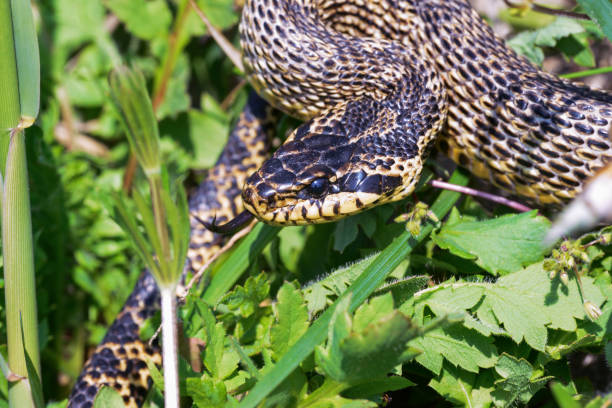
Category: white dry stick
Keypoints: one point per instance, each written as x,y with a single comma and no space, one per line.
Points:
591,207
170,346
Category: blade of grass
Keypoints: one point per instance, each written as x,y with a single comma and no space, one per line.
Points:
368,281
601,12
588,72
9,87
238,261
28,60
18,252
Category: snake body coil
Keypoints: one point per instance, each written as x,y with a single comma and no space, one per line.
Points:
366,74
377,82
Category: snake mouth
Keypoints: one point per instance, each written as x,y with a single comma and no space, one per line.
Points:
293,209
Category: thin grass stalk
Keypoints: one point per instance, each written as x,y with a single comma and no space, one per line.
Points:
19,279
170,346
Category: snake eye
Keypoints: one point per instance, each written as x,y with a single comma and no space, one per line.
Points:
318,187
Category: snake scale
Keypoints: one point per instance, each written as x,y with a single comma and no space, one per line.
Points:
378,82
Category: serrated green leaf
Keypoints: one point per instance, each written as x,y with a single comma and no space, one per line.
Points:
500,245
292,319
526,302
517,312
561,27
528,43
108,398
462,347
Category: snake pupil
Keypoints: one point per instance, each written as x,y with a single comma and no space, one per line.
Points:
318,187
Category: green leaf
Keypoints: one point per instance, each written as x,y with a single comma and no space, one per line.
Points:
27,59
220,12
144,19
246,299
461,387
205,393
501,245
156,375
374,310
108,398
347,228
462,347
517,384
560,28
369,350
219,361
292,319
527,302
528,43
563,397
9,86
176,98
601,12
577,47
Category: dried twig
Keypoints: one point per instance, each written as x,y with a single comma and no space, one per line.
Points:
232,53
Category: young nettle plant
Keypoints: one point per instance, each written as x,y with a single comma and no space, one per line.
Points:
161,238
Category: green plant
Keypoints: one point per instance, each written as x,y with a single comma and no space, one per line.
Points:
166,225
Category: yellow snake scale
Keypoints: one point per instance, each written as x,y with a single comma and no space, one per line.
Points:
377,81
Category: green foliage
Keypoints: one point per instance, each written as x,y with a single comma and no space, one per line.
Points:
328,315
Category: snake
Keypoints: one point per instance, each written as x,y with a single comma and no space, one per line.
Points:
378,84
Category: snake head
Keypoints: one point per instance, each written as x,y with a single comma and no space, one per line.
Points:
326,171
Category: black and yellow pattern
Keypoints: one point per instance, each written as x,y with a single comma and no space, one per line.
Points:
376,81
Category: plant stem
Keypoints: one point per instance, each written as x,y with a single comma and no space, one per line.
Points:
169,346
159,213
19,279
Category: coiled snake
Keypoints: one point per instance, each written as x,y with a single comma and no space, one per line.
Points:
378,81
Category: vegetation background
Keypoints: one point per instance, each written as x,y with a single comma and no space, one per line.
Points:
78,155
